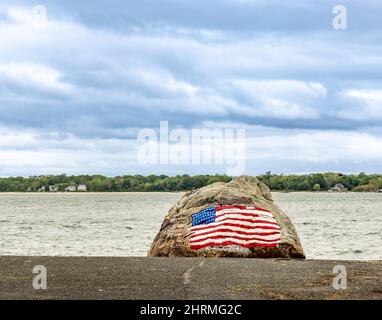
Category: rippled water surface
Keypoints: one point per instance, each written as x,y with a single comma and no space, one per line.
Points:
330,225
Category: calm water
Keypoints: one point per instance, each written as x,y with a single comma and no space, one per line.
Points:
330,225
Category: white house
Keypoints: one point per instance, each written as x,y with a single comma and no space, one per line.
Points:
70,189
82,188
53,189
339,187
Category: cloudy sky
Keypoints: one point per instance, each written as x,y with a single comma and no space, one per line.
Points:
75,92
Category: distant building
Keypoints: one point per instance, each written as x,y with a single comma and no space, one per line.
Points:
70,189
82,188
339,187
29,189
53,189
42,189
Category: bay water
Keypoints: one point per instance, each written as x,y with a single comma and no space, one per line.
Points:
346,226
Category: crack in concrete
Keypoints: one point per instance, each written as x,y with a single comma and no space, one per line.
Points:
187,275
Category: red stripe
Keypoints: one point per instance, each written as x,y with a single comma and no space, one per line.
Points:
261,209
227,243
209,226
241,208
238,232
235,237
249,220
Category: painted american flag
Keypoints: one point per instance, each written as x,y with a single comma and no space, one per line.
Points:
234,225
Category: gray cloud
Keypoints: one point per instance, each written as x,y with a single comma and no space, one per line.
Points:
103,70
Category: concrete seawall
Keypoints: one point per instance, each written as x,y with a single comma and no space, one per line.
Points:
187,278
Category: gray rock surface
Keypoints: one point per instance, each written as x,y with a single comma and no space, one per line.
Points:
174,235
187,278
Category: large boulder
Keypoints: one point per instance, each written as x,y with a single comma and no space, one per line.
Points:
173,238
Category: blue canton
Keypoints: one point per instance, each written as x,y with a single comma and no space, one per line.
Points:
207,215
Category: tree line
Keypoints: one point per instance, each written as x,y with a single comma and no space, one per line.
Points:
99,183
322,181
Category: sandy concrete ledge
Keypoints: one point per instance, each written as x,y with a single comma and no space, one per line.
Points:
187,278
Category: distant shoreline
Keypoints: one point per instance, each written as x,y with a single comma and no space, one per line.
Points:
169,192
93,192
316,182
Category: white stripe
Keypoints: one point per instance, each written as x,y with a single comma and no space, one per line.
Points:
217,241
260,212
242,223
239,216
233,234
214,227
